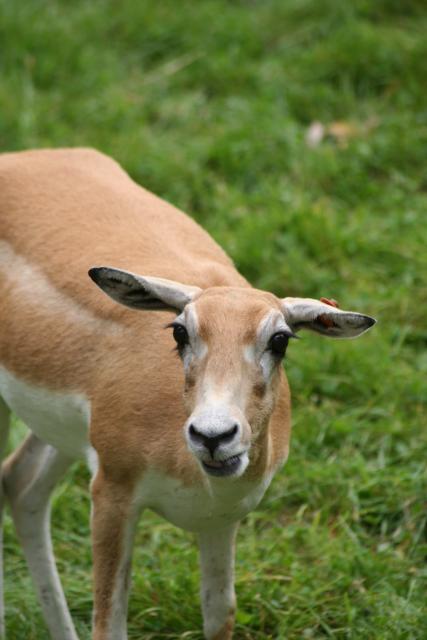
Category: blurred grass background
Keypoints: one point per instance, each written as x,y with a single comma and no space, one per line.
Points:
209,104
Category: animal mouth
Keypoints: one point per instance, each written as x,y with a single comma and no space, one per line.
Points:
222,467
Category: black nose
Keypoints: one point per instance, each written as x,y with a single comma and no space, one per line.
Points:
212,442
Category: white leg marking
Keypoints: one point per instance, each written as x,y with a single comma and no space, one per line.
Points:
217,574
30,475
4,432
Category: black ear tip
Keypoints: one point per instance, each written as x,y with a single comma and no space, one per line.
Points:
370,321
95,274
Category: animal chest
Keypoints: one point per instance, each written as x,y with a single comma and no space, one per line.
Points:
198,508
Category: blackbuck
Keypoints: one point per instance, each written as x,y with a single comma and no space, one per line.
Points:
194,432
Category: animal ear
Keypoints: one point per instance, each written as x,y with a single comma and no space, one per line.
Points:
323,316
143,292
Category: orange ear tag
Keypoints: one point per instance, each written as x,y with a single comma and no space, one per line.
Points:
330,301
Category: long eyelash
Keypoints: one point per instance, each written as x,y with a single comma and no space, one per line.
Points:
291,334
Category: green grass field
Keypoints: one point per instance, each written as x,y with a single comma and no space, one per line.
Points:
208,104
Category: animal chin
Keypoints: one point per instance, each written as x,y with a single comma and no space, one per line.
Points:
222,468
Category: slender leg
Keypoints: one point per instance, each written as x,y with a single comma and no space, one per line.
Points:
29,477
114,520
4,432
217,587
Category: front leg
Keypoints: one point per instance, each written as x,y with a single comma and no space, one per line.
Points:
114,520
217,582
30,474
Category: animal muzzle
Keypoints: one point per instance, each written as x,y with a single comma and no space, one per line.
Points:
217,441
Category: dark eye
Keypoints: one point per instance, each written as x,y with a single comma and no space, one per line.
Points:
180,335
278,344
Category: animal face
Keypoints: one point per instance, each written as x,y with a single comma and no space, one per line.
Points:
231,342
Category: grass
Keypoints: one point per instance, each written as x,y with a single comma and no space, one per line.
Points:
208,104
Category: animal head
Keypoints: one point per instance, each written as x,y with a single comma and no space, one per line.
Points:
231,341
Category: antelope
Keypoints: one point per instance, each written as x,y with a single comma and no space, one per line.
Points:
194,432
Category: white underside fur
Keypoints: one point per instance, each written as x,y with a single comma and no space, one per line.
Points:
58,418
214,505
